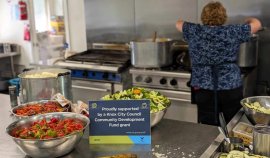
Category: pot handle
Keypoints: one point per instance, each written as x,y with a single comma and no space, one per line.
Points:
180,44
27,69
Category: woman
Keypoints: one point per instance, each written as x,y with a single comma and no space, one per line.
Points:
213,49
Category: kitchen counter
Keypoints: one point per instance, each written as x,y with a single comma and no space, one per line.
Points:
170,139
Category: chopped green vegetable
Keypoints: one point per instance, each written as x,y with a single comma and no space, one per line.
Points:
158,102
257,107
52,133
239,154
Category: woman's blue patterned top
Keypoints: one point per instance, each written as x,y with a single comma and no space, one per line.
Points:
215,45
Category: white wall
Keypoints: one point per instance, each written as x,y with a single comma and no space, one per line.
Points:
76,25
12,31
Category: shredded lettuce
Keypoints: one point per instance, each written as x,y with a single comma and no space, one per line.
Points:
158,102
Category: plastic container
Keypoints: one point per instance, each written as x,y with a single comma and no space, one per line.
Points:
261,140
244,131
13,96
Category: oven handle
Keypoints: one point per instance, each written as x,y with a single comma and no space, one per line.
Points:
91,88
177,99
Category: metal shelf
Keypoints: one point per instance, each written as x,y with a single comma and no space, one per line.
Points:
10,55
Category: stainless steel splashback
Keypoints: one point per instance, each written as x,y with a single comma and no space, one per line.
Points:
161,16
109,20
126,20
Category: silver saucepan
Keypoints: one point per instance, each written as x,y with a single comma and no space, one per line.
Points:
149,53
42,84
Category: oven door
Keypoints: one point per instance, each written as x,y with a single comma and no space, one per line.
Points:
85,90
181,108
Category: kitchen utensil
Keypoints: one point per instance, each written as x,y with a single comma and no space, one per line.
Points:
183,59
244,131
234,143
13,96
43,84
261,140
254,116
223,133
223,124
149,54
53,147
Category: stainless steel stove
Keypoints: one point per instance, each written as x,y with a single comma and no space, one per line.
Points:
103,60
171,82
162,79
97,72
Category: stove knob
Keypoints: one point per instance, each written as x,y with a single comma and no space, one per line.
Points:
163,81
138,79
148,80
173,82
105,75
85,73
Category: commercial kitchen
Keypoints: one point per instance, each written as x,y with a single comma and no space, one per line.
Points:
94,43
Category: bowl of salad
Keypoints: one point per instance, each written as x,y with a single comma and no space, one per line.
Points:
48,135
158,102
257,109
38,107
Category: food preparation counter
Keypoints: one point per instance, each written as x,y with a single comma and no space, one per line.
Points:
170,139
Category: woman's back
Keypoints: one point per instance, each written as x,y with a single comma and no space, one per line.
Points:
215,46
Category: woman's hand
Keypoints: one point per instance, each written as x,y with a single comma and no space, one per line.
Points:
254,23
179,25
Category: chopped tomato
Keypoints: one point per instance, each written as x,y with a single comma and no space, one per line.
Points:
49,129
39,108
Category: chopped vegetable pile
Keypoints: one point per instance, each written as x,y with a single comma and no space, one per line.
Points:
46,130
39,108
158,102
239,154
257,107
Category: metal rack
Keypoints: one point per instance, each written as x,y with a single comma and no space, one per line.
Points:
10,55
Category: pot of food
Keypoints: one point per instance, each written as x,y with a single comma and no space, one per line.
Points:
248,53
42,84
149,53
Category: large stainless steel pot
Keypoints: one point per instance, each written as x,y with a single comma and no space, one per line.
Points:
248,53
42,84
151,54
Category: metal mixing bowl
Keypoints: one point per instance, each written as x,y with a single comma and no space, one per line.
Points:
54,147
13,110
254,116
156,117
